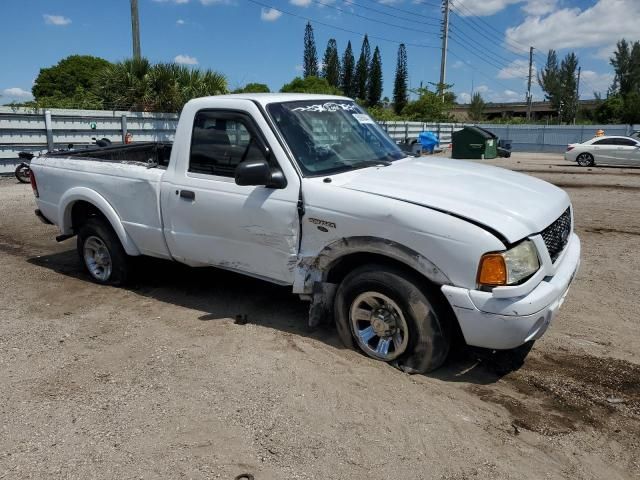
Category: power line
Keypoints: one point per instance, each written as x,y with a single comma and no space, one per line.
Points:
496,57
318,22
381,12
481,23
404,10
480,54
491,38
476,69
395,25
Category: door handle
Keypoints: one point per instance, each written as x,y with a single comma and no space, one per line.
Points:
187,194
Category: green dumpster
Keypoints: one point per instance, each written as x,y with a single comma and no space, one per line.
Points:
475,143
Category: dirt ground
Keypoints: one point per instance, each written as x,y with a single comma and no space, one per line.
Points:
157,381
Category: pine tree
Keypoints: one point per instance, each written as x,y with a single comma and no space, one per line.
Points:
348,72
362,70
476,107
331,68
374,81
400,87
558,81
310,61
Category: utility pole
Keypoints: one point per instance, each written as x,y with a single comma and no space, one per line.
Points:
529,84
135,29
575,110
445,43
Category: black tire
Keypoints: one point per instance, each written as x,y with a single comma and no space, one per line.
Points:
23,173
97,228
585,159
429,328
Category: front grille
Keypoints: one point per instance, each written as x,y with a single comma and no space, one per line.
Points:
557,234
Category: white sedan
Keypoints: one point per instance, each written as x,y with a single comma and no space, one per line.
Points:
605,151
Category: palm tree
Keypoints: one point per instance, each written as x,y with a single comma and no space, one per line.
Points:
136,84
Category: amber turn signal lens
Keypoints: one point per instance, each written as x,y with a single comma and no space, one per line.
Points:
493,270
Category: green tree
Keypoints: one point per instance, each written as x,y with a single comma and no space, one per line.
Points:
625,91
362,70
429,106
331,64
476,107
310,60
348,72
558,81
548,77
253,88
73,74
400,85
374,81
138,85
568,87
310,85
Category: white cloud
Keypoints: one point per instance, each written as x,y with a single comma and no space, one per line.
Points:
517,69
185,60
178,2
298,68
300,3
491,96
540,7
485,8
457,64
180,22
482,8
591,81
16,92
463,97
215,2
599,26
270,14
57,20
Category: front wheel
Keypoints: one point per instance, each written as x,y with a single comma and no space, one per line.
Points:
101,253
385,314
585,160
23,173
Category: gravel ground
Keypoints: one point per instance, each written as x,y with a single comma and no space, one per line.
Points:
157,381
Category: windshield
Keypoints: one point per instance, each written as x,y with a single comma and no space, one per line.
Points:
332,136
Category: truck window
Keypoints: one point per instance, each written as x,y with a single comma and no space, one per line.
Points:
219,142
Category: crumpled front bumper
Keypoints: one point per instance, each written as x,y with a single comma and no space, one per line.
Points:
503,323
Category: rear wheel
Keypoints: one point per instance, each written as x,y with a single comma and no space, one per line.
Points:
585,160
101,252
385,314
23,173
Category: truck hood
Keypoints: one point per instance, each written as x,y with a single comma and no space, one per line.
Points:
512,204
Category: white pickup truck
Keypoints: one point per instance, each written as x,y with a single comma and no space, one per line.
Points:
308,191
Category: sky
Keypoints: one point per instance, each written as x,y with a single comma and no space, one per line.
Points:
262,40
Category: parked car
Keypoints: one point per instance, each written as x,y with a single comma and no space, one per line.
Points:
308,191
605,150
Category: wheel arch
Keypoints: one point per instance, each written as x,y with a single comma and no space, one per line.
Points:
85,198
319,276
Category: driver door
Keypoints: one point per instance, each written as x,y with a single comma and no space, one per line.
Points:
209,220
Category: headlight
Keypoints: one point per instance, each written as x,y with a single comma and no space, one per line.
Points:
510,267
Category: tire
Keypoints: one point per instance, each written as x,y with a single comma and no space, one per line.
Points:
101,253
585,160
23,173
375,303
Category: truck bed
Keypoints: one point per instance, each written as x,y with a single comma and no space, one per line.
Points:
144,153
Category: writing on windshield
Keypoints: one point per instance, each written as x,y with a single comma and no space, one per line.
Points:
332,136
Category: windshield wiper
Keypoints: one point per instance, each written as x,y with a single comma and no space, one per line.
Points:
373,163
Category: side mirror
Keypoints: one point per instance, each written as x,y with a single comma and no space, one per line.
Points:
258,172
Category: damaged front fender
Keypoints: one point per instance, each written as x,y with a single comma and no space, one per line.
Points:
312,272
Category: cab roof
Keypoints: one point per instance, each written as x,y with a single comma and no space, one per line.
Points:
266,98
